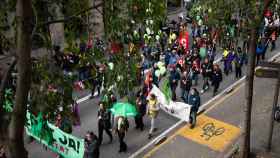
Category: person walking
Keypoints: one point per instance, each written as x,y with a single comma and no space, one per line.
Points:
238,66
206,71
273,38
91,146
226,61
141,104
185,85
76,113
154,76
104,123
173,80
217,78
153,109
96,80
194,101
122,128
195,70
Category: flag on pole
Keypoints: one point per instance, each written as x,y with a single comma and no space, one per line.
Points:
167,90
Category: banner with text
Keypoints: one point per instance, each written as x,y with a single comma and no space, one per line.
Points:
55,139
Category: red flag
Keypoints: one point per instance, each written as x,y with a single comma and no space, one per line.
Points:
184,40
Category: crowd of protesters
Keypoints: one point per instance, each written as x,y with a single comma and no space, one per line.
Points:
186,64
186,61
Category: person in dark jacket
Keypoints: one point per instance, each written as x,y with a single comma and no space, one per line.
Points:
122,128
185,85
217,78
91,146
194,101
141,104
173,80
238,66
104,123
261,50
154,76
206,71
63,123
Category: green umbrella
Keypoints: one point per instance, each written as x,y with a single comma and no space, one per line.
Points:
124,109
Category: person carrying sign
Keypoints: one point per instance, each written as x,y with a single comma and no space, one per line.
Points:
153,109
104,123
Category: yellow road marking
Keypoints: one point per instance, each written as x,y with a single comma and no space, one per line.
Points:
211,132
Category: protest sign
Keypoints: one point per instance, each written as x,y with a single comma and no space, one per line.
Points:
55,139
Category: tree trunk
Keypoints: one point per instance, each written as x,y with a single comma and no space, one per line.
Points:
249,86
24,30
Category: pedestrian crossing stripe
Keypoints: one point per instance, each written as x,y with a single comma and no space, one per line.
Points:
210,132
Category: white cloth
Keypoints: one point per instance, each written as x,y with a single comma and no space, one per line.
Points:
177,109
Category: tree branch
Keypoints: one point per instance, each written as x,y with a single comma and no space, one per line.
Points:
70,17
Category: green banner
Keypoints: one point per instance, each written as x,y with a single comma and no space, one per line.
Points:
55,139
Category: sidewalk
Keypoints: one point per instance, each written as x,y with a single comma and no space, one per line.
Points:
219,128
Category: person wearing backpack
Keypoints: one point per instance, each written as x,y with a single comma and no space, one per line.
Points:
173,80
153,109
122,128
104,123
194,101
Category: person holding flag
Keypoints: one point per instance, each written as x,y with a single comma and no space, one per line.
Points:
173,80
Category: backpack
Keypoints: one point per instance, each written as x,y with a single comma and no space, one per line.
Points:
124,125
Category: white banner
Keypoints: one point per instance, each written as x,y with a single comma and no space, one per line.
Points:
179,110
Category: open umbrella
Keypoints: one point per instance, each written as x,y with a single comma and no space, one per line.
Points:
124,109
